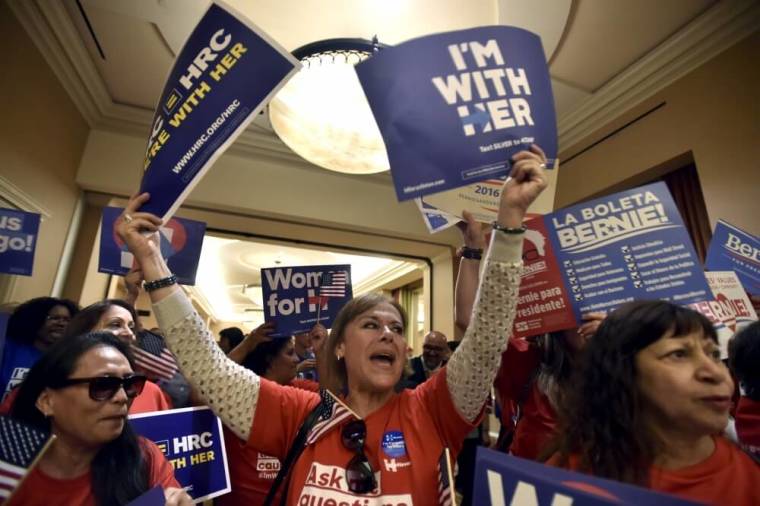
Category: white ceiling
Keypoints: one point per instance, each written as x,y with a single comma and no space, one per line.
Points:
605,56
588,42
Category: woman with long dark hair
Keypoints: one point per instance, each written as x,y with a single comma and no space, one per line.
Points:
33,328
80,391
648,404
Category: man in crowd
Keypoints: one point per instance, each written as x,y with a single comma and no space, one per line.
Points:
435,353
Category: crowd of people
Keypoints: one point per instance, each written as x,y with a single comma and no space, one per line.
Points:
640,395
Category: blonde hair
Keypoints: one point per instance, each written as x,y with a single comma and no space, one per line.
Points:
332,371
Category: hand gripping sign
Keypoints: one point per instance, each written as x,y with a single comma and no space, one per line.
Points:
226,72
181,244
454,107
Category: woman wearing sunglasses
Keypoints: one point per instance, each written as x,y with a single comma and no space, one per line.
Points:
80,391
118,317
648,407
373,442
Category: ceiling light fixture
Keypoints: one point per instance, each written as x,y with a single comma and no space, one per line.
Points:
322,113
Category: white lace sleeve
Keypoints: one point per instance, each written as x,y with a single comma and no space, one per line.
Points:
228,388
472,368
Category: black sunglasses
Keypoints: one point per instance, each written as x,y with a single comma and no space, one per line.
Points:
103,388
359,474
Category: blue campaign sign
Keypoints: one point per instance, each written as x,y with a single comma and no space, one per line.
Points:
226,72
18,240
626,246
502,480
153,497
191,440
296,298
181,244
733,249
454,107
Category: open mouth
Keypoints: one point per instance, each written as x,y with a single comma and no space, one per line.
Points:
383,358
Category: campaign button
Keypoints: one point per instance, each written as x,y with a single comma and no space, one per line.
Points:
393,444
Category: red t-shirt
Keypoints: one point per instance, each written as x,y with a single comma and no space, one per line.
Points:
251,471
39,488
748,425
405,440
151,399
515,382
727,477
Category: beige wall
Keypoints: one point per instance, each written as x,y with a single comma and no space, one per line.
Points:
42,136
712,115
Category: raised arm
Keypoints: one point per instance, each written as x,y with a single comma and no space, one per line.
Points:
228,388
472,367
254,338
467,277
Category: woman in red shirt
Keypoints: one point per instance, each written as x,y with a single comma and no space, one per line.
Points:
80,391
120,319
648,404
368,442
252,472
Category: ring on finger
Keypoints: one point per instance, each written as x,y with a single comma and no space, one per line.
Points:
128,218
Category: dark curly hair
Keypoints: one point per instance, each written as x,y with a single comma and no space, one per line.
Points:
600,412
260,359
27,320
744,357
233,335
119,472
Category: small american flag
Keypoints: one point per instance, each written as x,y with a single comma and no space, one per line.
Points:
446,494
334,284
153,357
20,445
331,413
